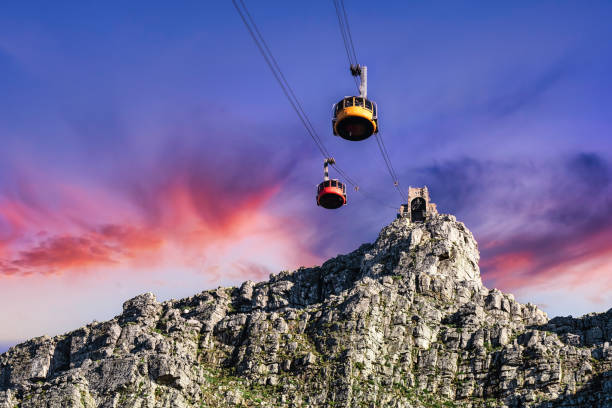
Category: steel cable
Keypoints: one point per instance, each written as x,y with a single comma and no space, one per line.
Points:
345,39
348,31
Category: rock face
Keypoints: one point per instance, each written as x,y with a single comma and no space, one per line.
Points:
403,322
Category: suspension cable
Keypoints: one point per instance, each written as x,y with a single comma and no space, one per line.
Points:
278,75
265,51
348,30
346,39
390,168
343,33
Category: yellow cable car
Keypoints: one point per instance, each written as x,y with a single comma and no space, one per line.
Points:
355,117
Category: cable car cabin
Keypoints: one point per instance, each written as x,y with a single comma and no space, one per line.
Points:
355,118
331,194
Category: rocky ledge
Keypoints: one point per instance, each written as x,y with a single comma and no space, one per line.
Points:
403,322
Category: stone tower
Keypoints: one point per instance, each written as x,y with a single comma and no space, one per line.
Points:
419,206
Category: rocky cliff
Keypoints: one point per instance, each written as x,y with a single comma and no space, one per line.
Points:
403,322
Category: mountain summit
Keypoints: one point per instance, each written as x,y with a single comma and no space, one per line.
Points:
403,322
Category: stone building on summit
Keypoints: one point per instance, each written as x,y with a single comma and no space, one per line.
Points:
419,206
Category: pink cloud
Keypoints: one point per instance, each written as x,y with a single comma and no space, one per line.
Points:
567,263
179,220
111,244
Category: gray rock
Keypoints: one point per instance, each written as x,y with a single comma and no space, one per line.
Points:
403,322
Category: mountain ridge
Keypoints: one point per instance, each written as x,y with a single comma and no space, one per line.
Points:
402,322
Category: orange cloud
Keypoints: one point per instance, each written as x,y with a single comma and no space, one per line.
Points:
196,222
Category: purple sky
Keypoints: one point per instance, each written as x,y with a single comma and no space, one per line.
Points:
147,147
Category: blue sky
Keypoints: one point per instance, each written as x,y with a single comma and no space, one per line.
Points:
157,130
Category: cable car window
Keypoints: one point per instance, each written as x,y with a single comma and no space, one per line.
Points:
358,101
327,183
348,102
334,183
368,105
374,109
338,107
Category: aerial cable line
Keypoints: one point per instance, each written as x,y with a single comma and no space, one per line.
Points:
348,31
265,51
278,75
392,173
347,40
343,33
349,46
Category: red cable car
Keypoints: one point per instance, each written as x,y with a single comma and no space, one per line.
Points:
331,194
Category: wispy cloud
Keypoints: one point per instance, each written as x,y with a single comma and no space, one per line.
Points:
513,96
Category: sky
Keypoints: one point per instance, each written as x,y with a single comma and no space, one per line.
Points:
145,146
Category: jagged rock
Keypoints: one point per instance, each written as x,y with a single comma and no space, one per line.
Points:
403,322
